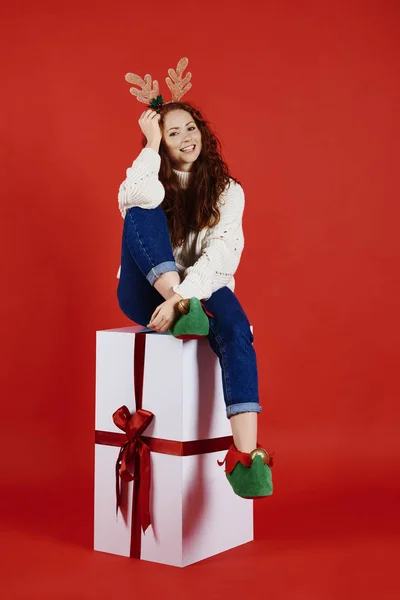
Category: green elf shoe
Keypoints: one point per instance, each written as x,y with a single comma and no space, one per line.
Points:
194,324
249,474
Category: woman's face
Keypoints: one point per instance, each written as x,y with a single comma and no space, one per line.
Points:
182,139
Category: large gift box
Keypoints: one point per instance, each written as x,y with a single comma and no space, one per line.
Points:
160,419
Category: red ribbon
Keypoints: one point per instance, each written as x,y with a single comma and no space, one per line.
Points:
133,462
171,447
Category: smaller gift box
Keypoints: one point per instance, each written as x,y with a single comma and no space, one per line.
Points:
160,419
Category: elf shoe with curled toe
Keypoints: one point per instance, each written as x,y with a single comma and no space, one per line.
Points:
249,473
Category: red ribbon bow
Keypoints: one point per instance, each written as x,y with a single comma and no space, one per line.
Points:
133,462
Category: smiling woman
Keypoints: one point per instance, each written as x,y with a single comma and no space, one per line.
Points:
181,138
194,180
182,242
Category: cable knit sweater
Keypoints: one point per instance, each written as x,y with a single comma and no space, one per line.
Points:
209,258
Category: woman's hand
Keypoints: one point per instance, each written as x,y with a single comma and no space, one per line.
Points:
149,124
164,316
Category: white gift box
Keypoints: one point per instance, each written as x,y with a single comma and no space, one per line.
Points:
195,513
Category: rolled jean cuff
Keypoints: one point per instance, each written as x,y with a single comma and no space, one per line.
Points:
158,270
241,407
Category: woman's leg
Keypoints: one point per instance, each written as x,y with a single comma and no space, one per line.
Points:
244,430
148,268
232,340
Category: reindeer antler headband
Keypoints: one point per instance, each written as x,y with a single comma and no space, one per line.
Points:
150,94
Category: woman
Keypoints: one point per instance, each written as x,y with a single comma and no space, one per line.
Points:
183,238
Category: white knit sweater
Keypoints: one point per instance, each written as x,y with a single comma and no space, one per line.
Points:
209,258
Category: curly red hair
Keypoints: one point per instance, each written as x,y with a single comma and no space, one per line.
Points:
196,207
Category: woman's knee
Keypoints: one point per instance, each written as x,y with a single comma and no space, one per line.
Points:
143,215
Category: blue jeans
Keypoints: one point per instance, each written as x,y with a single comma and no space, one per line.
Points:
146,254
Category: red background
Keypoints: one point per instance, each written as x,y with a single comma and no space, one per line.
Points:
305,97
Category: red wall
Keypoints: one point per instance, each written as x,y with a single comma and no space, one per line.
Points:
305,98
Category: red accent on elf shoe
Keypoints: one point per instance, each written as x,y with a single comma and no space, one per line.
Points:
234,456
205,310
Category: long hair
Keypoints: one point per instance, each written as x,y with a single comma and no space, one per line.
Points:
196,207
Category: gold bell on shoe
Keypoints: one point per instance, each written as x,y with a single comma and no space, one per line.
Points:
260,452
184,306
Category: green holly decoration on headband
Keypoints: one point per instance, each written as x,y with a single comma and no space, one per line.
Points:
156,103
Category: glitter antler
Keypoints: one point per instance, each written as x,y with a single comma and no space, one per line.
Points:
179,86
149,90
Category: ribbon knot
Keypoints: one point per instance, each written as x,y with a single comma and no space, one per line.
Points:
133,462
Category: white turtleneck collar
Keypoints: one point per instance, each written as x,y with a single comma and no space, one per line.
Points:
183,177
